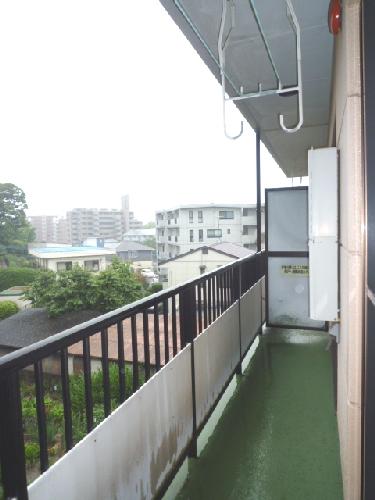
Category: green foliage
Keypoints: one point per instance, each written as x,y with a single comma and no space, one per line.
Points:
116,286
8,308
55,411
154,288
79,289
14,276
149,225
65,291
31,452
15,230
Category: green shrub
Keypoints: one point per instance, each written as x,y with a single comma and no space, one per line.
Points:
31,452
8,308
17,276
154,288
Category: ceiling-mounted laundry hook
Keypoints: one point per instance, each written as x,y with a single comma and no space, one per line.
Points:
221,47
280,90
294,22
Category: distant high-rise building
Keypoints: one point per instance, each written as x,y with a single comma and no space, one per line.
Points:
50,229
45,227
87,223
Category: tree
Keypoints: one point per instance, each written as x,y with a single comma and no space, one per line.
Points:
149,225
63,292
116,286
79,289
15,230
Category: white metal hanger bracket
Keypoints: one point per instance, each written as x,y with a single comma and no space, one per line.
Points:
280,90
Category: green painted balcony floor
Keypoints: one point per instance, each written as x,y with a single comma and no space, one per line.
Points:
277,438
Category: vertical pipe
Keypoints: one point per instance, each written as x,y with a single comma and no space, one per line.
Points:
259,197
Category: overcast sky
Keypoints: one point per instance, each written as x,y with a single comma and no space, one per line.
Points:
99,99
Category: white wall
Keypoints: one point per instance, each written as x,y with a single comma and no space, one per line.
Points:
52,263
347,90
188,267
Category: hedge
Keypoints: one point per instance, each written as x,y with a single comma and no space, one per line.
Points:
8,308
16,276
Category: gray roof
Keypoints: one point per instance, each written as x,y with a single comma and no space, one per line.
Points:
32,325
229,249
232,249
127,246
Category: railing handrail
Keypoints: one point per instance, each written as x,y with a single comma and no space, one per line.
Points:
32,353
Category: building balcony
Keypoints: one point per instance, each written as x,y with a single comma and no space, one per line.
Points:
154,378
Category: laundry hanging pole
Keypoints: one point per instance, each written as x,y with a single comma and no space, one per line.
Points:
280,90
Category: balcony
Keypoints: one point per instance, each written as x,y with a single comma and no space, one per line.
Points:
165,366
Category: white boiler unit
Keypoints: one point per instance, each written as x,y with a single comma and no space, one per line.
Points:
323,234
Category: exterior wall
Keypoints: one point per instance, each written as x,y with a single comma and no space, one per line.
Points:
174,226
347,94
188,267
93,222
52,263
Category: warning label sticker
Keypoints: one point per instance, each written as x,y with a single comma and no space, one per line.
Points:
293,270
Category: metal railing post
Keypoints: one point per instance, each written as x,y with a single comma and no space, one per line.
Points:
188,325
237,275
12,448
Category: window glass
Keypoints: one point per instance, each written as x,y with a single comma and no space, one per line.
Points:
226,214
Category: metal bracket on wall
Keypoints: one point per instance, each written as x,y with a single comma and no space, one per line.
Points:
280,90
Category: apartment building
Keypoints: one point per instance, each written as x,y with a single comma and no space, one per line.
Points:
87,223
50,228
188,227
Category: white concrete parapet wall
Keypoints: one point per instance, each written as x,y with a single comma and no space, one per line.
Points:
131,453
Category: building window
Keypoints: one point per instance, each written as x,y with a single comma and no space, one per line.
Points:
175,238
228,231
226,214
201,235
214,233
175,221
191,235
200,216
64,266
91,265
169,238
202,269
205,251
191,216
132,254
246,212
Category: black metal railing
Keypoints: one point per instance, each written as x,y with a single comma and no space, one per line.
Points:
146,335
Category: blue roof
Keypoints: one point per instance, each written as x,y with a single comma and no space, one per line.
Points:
64,249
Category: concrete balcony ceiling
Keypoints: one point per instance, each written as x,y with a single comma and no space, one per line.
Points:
247,64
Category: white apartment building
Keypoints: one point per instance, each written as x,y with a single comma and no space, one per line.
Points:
188,227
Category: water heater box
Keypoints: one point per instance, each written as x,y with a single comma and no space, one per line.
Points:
323,234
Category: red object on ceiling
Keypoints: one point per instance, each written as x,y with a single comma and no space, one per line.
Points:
334,17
